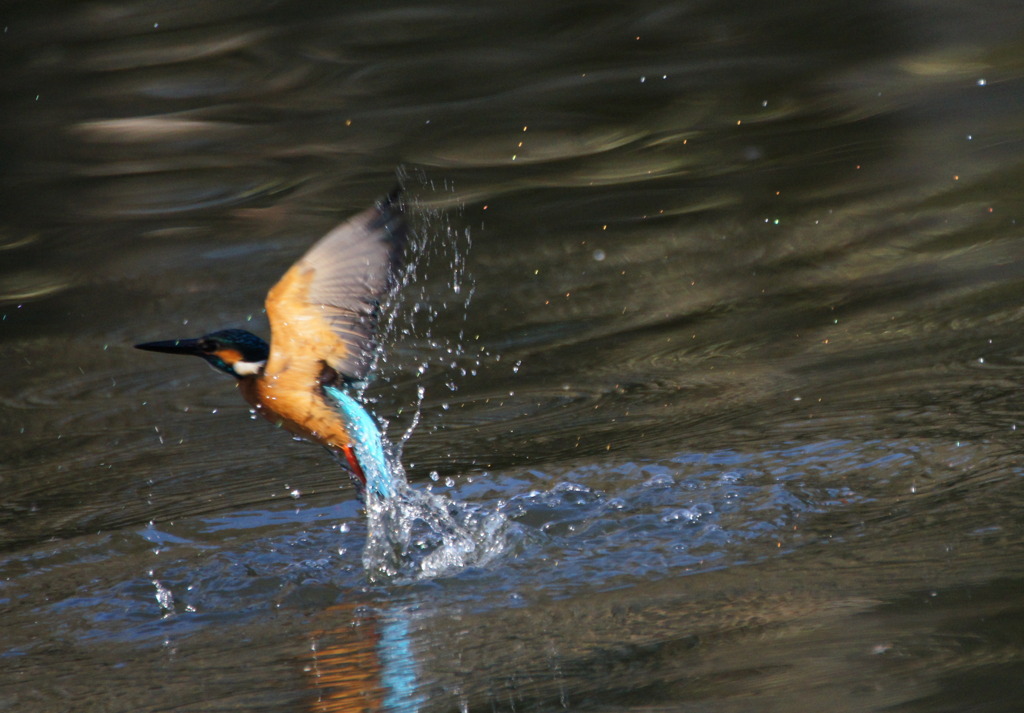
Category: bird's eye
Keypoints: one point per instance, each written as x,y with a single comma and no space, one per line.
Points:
208,346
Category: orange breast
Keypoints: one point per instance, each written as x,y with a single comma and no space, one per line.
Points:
292,400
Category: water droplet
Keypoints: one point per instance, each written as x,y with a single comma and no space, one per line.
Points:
164,596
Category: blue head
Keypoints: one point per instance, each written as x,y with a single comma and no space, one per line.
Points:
233,351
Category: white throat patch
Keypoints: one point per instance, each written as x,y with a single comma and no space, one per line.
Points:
248,368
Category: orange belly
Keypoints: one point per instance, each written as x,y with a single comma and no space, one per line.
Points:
298,407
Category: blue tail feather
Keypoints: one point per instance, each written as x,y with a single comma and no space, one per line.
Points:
367,442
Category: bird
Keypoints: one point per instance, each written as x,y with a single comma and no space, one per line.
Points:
323,316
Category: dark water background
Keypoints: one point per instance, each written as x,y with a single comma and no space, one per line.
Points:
722,302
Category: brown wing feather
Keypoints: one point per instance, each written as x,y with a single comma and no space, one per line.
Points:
324,309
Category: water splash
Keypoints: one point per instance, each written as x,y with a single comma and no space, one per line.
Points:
416,534
412,534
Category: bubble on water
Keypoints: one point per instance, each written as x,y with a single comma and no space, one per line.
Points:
662,480
688,515
566,486
679,514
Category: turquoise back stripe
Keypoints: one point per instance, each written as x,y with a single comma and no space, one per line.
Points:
366,442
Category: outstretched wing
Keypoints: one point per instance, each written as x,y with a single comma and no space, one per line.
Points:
325,307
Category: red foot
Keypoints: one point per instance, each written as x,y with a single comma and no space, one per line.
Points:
353,464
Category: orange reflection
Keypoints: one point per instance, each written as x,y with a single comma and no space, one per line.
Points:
345,670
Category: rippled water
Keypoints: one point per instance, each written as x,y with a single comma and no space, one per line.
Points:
712,341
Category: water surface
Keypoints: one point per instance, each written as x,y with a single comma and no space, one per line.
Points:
718,306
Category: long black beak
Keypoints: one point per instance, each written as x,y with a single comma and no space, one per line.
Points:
173,346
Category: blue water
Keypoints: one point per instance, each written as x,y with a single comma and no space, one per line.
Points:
585,529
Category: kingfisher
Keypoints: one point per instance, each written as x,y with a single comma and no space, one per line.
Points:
323,316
